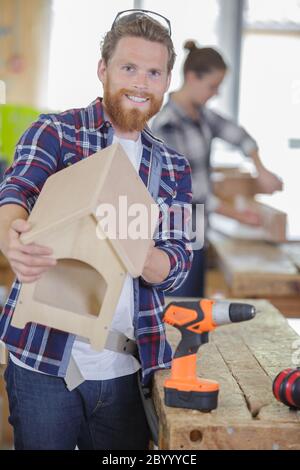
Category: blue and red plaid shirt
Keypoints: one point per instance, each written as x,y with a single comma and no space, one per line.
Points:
50,144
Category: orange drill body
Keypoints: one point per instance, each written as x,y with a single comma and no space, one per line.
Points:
195,320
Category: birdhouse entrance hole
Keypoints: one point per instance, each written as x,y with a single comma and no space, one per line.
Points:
72,285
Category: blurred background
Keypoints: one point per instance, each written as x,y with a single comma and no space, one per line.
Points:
49,51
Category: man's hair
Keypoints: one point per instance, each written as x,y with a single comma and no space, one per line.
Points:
139,26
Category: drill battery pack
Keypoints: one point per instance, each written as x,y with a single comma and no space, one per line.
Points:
202,401
194,393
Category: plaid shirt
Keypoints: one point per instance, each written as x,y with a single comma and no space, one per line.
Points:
53,142
194,140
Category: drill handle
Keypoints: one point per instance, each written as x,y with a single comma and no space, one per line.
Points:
190,342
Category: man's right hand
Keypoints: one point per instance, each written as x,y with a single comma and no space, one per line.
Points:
30,261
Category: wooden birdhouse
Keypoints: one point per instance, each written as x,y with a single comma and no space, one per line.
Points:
3,353
80,294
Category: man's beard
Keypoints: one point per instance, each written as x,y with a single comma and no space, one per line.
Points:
129,120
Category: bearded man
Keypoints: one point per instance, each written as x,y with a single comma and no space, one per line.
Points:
104,410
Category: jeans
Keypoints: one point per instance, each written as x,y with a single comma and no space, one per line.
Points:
106,415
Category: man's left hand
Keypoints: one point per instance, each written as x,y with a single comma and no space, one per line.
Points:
157,265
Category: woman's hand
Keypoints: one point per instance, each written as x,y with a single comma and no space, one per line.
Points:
268,182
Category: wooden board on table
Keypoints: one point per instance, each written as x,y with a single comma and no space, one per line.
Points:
273,228
292,250
228,183
255,268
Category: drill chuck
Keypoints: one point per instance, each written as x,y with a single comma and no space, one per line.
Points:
241,312
225,312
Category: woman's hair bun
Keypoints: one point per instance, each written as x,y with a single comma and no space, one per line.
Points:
190,45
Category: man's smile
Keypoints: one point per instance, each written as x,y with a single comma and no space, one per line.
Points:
137,99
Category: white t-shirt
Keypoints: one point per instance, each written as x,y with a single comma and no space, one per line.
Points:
106,364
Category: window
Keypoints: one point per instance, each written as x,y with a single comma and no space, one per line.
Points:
270,92
191,19
77,29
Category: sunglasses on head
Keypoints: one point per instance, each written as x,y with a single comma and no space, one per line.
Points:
152,14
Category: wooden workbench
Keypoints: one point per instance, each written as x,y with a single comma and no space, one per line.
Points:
258,269
244,358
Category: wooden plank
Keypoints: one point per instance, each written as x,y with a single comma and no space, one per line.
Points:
234,229
292,250
273,226
217,288
288,306
215,284
230,183
274,221
244,358
255,269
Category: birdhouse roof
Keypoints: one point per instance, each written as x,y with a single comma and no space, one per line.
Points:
78,190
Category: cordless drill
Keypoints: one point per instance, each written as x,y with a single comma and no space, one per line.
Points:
195,320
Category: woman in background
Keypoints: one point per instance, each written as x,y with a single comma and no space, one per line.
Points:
187,125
